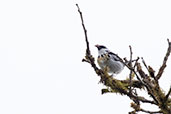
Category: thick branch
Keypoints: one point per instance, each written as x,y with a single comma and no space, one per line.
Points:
115,85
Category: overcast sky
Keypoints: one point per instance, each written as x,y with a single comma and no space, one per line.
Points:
42,45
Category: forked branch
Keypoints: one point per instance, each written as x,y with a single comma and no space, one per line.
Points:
147,81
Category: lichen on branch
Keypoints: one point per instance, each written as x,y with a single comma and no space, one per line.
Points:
142,80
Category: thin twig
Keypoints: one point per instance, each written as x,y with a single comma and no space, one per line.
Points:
136,61
130,53
88,53
142,99
168,94
161,70
151,112
144,63
130,68
149,69
146,84
85,60
130,74
85,31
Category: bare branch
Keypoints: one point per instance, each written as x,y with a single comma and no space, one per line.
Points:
130,68
85,31
145,82
144,63
142,99
152,73
130,53
130,74
149,69
161,70
168,94
89,58
151,112
85,60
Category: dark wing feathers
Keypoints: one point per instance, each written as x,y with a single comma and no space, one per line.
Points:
114,56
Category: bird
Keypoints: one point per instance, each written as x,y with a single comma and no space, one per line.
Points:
109,60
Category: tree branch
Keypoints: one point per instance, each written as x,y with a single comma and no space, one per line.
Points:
130,74
143,80
85,31
151,112
89,58
161,70
167,95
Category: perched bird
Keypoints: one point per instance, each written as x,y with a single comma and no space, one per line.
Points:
108,60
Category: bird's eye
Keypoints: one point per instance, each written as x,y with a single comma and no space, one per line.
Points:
102,55
108,55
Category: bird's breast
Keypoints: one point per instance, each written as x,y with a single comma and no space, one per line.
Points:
102,61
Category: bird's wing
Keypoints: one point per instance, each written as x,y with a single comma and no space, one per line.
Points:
113,56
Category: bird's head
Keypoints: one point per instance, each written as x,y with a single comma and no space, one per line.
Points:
101,49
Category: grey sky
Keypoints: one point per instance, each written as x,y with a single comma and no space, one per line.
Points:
42,45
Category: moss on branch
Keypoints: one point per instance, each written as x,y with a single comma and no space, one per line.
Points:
142,80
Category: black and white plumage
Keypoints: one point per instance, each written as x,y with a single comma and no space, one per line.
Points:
109,60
